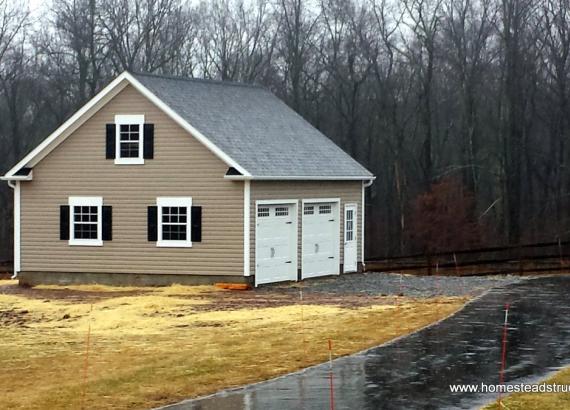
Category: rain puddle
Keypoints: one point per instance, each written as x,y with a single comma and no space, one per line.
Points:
415,372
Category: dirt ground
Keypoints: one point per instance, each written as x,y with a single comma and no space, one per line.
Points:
101,347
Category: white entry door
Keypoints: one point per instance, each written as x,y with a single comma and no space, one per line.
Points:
320,239
275,243
350,244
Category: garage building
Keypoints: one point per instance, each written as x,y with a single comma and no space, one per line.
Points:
160,180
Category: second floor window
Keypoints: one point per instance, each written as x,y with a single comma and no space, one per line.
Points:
129,139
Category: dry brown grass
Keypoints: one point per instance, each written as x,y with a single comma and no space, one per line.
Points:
156,346
542,401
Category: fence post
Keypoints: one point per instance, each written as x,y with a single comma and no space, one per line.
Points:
521,267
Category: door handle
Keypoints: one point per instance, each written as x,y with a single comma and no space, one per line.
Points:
288,262
316,248
272,252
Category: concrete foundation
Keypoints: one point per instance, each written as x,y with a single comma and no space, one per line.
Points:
124,279
133,279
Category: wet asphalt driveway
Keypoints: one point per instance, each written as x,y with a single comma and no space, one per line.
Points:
415,372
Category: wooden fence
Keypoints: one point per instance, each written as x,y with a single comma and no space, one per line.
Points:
518,259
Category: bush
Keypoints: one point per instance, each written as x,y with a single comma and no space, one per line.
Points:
443,219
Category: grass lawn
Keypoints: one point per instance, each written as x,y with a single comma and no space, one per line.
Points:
542,401
153,346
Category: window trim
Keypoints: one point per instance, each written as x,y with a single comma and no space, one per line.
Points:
129,119
177,201
86,201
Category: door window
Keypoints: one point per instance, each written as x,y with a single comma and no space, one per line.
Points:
349,230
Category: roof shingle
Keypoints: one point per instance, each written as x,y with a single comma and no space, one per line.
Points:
254,127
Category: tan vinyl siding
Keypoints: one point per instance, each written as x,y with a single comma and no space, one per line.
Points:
182,166
347,191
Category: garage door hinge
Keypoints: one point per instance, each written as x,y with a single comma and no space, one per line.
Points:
288,262
331,257
331,220
288,223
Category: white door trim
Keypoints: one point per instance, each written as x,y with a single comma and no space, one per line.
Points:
276,201
313,200
295,203
354,207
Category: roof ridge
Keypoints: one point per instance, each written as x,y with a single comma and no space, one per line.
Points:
198,80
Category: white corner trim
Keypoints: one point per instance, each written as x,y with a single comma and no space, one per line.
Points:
362,215
365,184
17,224
178,201
246,227
184,124
86,201
127,119
82,115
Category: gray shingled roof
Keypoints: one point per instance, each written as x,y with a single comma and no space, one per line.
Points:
254,127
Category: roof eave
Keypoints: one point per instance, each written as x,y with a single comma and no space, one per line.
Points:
28,177
301,178
48,144
93,105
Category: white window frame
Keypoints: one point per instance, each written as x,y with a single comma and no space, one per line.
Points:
129,120
86,201
179,202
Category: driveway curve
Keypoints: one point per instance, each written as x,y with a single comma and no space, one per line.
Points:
415,372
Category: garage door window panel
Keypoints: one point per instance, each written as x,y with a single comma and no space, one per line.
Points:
325,209
281,211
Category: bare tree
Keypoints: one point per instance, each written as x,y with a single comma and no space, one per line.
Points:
296,32
425,17
144,35
467,31
77,23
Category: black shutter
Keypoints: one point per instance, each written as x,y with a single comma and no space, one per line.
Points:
110,151
196,224
64,222
107,223
148,148
152,223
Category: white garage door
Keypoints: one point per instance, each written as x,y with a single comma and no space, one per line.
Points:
321,239
275,243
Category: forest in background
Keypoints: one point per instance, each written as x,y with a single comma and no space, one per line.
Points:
459,107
